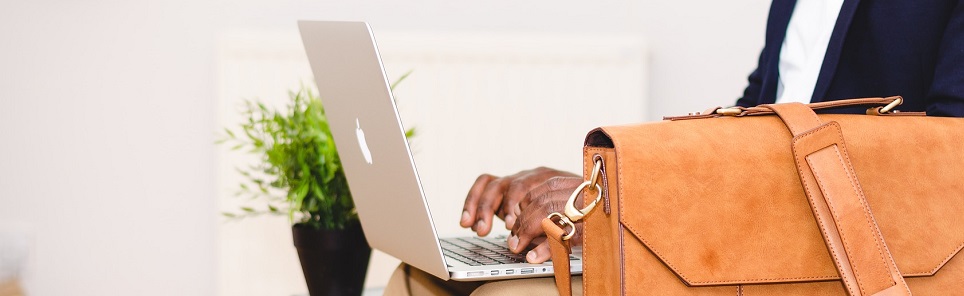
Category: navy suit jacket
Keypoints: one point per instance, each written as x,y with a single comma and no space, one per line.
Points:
911,48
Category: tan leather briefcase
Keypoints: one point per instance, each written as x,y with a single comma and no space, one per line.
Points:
771,200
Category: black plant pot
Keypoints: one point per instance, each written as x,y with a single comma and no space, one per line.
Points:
334,261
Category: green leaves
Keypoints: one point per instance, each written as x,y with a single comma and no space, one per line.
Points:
410,133
298,156
400,79
230,133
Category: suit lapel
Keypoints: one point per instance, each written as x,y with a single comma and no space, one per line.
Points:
834,47
780,13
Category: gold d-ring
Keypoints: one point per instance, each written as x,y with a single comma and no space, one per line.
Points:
564,222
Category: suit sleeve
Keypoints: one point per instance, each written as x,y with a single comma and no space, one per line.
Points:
946,94
751,95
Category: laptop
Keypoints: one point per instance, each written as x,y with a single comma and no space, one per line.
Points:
380,168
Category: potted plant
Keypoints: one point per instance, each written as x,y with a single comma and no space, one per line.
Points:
299,174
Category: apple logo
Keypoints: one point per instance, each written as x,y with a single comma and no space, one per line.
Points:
362,142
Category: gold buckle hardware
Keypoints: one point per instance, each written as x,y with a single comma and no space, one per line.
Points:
572,214
564,222
892,105
885,109
731,111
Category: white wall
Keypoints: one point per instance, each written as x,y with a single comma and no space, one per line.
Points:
106,159
107,113
701,53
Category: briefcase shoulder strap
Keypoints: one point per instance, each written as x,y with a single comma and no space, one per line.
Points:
560,250
849,229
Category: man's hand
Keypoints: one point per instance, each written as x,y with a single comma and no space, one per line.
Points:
491,196
550,197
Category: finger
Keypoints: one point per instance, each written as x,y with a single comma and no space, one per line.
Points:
509,221
515,243
514,193
488,203
564,186
546,180
527,229
535,192
541,253
510,218
528,225
563,183
472,200
519,187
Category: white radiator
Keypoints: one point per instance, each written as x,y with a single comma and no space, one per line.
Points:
482,103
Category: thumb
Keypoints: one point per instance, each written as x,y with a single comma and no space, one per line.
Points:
539,254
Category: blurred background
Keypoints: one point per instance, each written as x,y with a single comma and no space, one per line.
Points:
111,184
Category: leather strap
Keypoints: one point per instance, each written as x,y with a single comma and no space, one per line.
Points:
763,110
560,251
849,229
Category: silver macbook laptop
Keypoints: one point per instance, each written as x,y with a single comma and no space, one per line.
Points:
380,169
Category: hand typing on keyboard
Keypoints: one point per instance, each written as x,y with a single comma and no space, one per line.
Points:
522,201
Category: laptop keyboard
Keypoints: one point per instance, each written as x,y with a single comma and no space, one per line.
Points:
478,251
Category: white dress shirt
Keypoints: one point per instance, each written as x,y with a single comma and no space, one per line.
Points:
804,47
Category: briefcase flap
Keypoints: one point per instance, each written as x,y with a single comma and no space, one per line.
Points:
720,201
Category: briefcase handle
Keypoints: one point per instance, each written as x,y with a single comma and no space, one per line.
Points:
879,106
